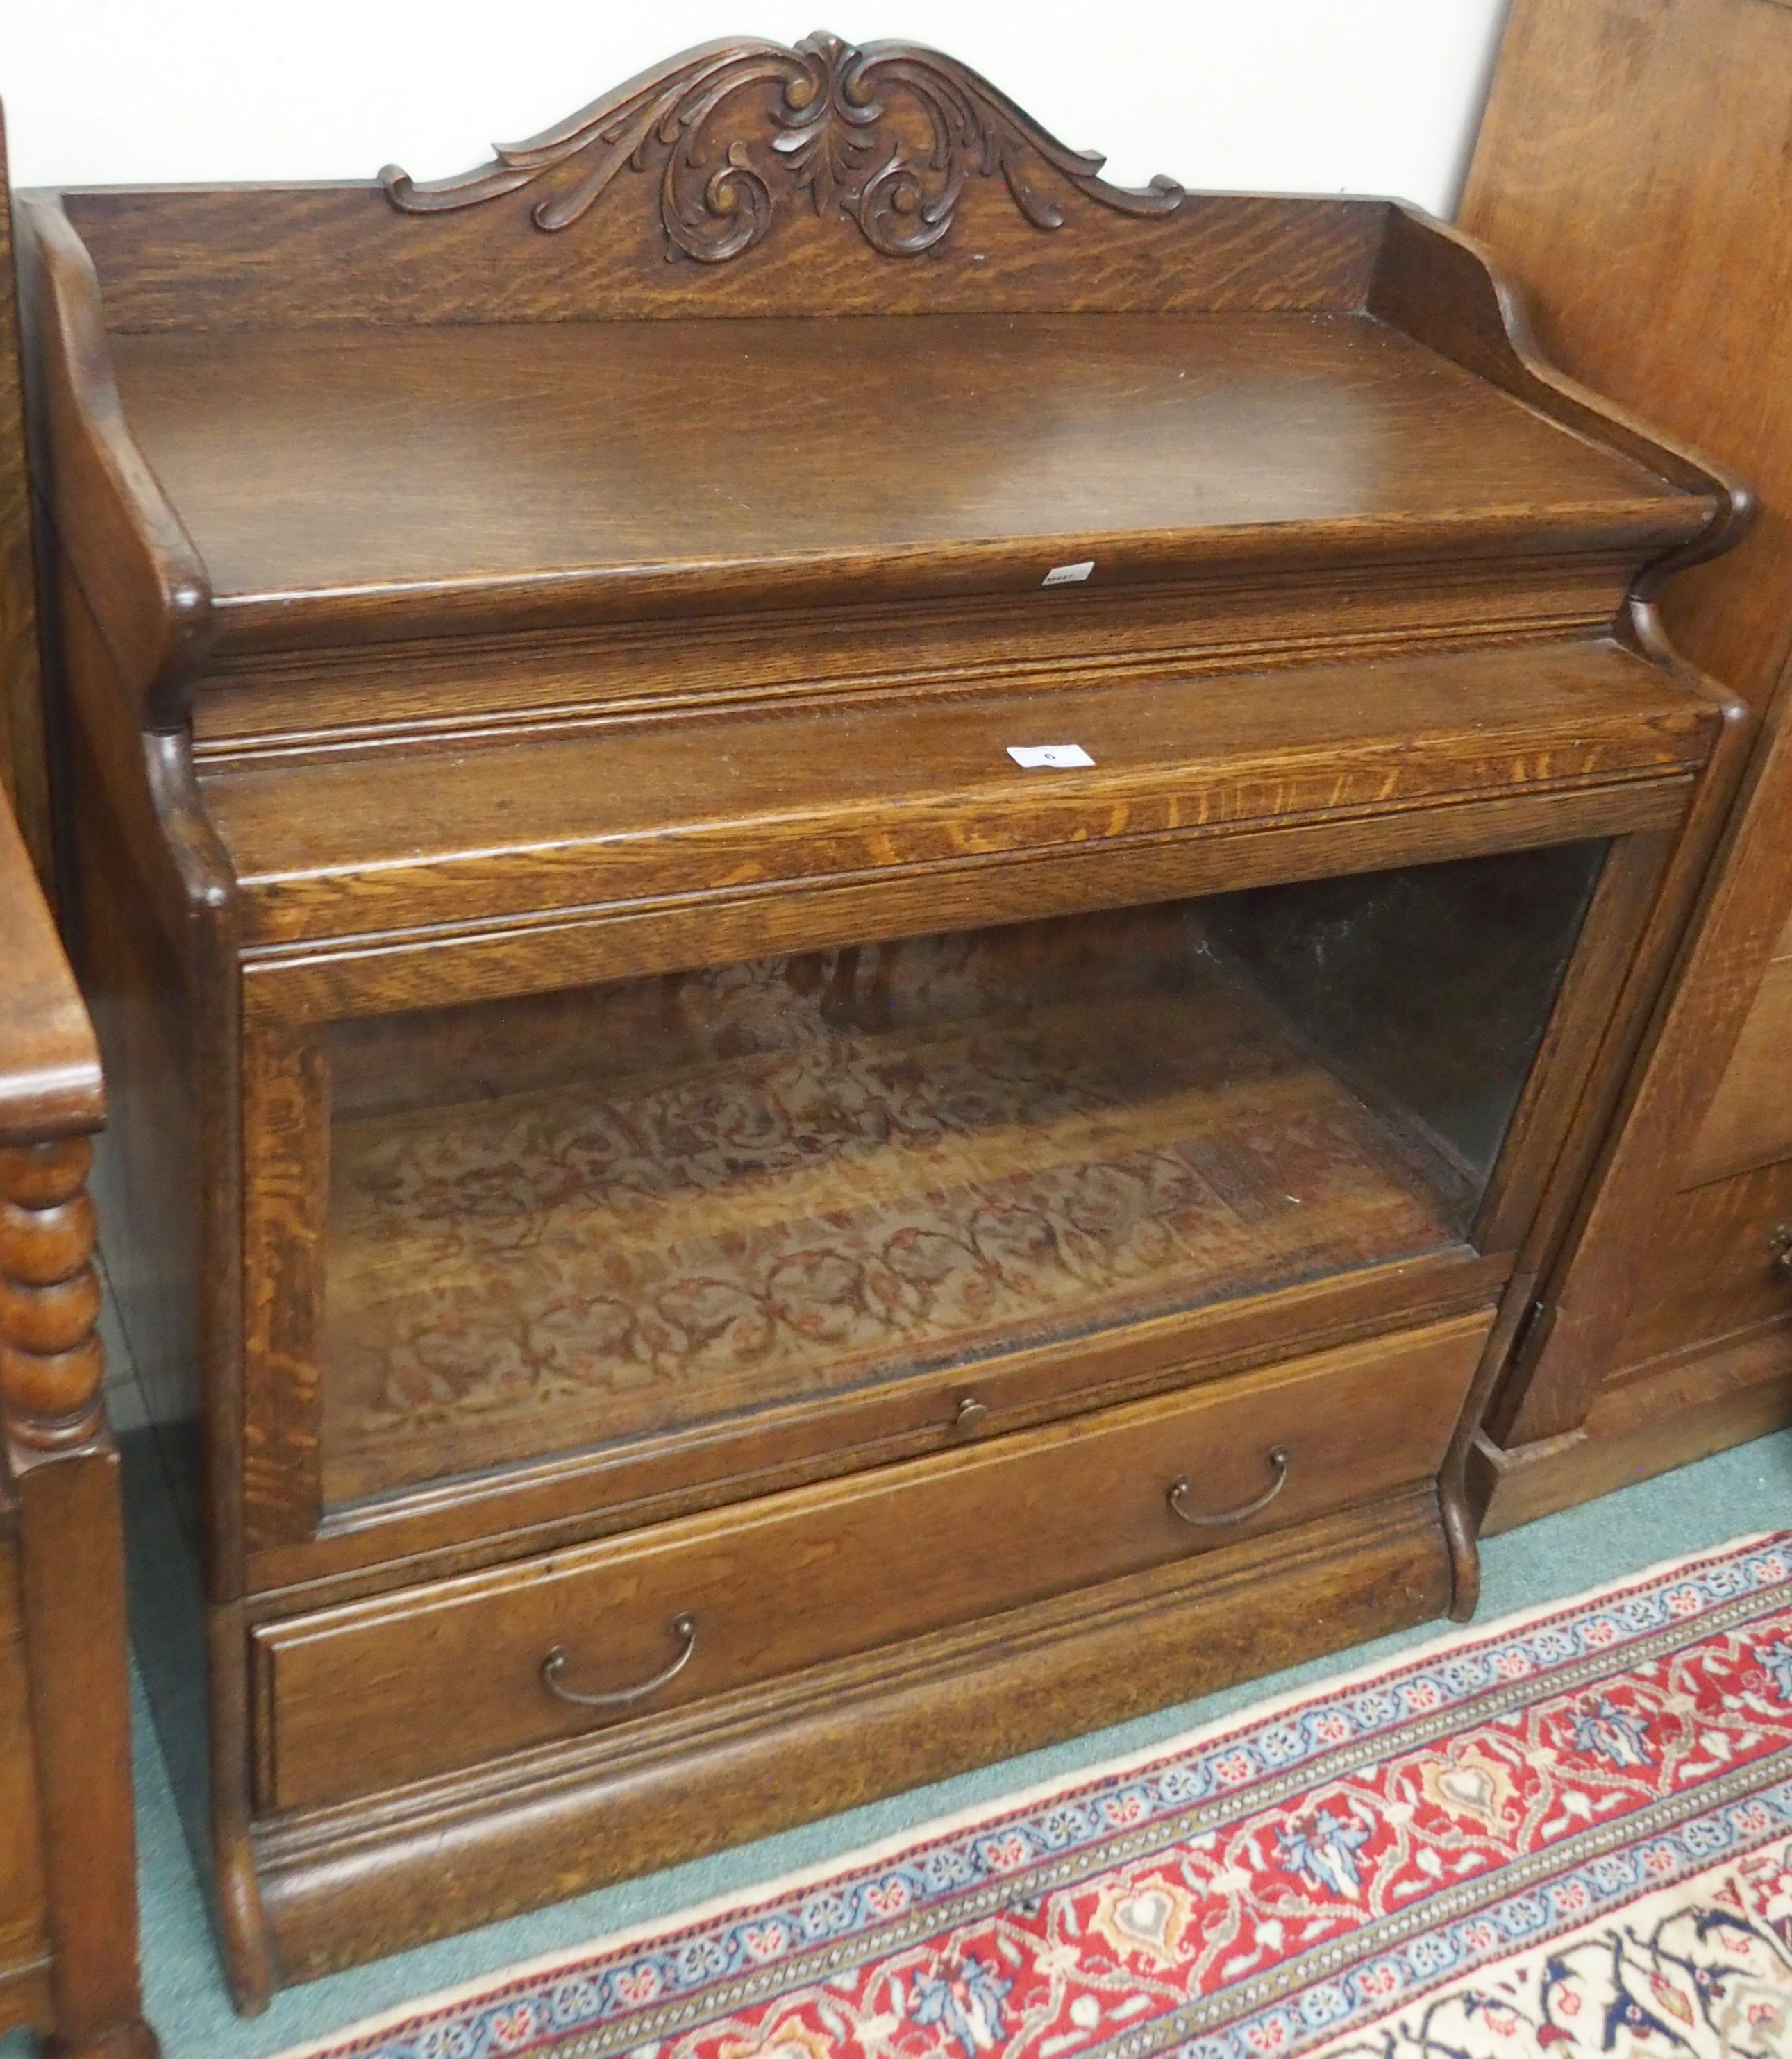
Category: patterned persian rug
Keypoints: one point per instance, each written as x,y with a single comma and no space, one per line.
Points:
1567,1833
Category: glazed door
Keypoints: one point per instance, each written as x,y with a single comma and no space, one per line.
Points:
801,1210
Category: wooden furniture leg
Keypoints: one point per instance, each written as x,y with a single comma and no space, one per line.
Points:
64,1474
68,1888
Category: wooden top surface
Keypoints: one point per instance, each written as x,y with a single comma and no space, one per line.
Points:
330,476
49,1067
373,840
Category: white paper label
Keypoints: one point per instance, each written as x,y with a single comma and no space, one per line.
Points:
1069,574
1031,757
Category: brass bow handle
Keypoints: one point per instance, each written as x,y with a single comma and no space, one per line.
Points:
1179,1489
683,1626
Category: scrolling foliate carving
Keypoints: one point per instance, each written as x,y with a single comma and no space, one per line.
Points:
832,137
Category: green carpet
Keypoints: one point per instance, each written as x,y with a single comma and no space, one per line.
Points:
1738,1492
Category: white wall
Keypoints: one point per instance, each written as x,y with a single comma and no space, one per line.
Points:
1363,96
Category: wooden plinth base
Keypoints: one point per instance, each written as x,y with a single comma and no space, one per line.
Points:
1685,1410
350,1884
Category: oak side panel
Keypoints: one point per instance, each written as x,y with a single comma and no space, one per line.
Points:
1629,172
136,989
1622,1245
73,1585
1749,1121
66,1801
24,1933
1727,1266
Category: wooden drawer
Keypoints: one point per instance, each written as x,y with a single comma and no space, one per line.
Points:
1715,1265
359,1698
1750,1119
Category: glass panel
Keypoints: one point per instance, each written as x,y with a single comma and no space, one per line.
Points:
592,1216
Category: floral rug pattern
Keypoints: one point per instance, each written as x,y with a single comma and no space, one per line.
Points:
1568,1833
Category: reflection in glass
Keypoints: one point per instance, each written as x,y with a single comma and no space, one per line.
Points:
591,1215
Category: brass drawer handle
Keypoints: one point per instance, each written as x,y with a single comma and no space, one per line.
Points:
1781,1245
1278,1465
972,1416
684,1627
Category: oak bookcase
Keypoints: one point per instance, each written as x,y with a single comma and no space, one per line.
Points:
861,912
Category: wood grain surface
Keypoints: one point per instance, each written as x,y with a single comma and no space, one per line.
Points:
378,1874
1631,171
25,1946
456,615
323,473
207,257
369,843
49,1068
451,1677
68,1886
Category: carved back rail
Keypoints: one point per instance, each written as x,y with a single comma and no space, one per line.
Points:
742,178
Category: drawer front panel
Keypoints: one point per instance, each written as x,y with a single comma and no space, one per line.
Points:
1719,1263
356,1699
1750,1119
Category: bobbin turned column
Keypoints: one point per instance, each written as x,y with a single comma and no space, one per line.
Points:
63,1472
50,1362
